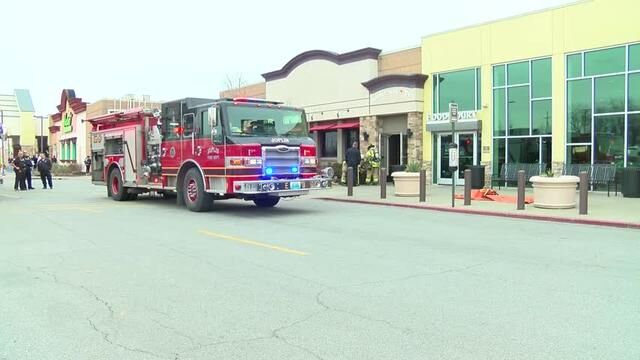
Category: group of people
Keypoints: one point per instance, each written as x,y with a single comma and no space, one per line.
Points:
23,164
370,163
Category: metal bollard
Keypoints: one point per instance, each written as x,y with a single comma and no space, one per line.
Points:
584,193
423,185
383,183
521,182
349,181
467,187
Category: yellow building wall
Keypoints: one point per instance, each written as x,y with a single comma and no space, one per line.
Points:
555,32
27,130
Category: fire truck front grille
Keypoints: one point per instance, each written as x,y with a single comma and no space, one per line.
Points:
281,160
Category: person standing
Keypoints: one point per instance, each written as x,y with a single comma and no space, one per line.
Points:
28,166
19,171
44,168
373,162
87,164
54,159
354,158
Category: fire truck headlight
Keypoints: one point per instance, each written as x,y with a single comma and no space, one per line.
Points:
272,187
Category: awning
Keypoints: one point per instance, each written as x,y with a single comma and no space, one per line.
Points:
322,127
355,124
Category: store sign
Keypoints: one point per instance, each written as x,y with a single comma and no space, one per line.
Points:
462,115
67,125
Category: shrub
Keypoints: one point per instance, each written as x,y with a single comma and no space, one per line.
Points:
66,169
413,167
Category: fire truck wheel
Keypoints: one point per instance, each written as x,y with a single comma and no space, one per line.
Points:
194,194
116,186
266,202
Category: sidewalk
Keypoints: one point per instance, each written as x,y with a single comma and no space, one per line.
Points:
603,210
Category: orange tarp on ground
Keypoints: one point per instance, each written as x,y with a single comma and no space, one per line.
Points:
492,195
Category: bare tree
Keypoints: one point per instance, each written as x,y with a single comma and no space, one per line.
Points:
234,81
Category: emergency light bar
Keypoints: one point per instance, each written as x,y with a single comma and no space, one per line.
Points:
254,100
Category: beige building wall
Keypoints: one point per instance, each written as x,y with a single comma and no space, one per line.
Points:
401,62
325,89
256,91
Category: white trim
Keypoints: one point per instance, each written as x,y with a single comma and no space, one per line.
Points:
521,136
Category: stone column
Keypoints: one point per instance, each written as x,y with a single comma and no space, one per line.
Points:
488,173
557,167
371,126
414,143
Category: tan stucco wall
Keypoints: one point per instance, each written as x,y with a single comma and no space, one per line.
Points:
256,91
401,62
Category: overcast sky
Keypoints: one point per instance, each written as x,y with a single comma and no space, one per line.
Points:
106,49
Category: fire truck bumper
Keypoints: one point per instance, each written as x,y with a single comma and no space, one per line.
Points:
289,187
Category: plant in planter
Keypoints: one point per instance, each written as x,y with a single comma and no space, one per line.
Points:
554,192
407,182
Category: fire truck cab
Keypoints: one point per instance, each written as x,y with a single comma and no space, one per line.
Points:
201,150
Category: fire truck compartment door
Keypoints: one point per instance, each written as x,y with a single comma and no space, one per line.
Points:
132,155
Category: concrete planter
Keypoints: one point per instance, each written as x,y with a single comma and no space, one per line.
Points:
406,183
554,192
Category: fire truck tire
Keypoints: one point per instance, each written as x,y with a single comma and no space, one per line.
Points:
116,187
195,196
266,202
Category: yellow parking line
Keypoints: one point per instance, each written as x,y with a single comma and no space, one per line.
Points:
254,243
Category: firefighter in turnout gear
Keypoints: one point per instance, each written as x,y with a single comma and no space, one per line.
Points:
373,164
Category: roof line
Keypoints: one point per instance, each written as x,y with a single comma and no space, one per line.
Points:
528,13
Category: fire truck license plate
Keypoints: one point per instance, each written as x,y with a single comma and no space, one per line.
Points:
295,185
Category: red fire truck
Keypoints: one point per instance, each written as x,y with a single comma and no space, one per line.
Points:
201,150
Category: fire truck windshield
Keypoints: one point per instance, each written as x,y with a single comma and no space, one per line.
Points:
260,121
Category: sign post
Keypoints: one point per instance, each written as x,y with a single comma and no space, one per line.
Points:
453,151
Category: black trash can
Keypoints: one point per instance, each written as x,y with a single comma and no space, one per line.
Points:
477,176
631,183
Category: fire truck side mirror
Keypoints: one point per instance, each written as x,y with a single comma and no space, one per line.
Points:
213,117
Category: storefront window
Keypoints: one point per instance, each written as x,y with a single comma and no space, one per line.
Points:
518,110
526,95
524,150
350,136
605,61
634,57
609,140
541,114
460,87
574,66
499,151
498,75
579,111
596,105
518,73
634,92
609,94
579,154
329,140
541,78
633,140
73,151
499,119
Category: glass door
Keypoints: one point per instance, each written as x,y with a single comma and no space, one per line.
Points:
467,154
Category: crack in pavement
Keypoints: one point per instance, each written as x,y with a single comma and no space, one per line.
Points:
105,337
419,275
177,332
319,301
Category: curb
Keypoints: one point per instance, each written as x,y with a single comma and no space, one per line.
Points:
606,223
